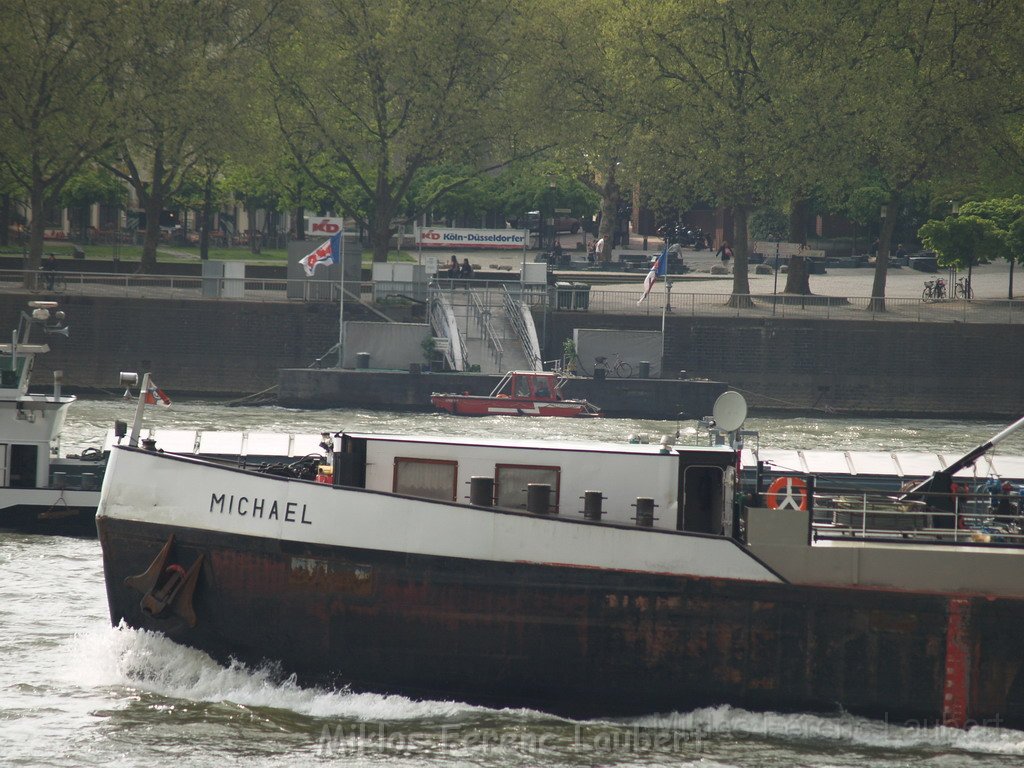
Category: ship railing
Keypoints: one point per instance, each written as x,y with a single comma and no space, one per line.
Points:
963,518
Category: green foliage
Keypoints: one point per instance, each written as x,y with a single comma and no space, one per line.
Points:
769,224
962,241
91,185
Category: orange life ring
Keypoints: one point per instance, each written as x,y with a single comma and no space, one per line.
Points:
788,492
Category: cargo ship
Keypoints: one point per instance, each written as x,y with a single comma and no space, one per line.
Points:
579,579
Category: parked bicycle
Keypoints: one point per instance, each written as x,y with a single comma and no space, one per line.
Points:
934,290
962,289
619,367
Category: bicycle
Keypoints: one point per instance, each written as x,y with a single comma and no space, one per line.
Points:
962,289
934,290
621,368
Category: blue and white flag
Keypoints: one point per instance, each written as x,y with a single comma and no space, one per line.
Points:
329,252
658,267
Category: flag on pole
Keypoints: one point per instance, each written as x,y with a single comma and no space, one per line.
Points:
329,252
659,267
156,395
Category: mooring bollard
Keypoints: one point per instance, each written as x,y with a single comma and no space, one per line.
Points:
644,512
481,491
538,498
592,505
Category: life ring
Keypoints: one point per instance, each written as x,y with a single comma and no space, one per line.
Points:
788,492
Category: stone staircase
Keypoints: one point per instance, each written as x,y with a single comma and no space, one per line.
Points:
491,342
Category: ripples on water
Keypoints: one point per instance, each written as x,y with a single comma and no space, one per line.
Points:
75,691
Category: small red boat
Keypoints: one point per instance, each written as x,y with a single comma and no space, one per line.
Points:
519,393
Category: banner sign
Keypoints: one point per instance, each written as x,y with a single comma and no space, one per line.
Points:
447,237
324,225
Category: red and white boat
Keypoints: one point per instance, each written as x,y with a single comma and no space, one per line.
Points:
519,393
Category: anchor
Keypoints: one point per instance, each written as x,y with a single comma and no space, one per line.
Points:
167,587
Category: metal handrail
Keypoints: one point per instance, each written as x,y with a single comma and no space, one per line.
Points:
440,313
514,310
483,319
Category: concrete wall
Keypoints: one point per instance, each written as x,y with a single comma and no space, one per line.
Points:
214,347
868,368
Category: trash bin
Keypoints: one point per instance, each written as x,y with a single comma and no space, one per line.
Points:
644,369
581,296
563,293
362,360
599,374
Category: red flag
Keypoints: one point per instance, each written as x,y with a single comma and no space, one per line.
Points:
156,395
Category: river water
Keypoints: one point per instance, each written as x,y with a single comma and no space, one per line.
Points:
75,691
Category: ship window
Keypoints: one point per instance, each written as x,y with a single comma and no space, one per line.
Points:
429,478
23,466
522,387
510,481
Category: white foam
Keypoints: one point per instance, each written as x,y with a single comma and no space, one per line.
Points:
148,661
843,728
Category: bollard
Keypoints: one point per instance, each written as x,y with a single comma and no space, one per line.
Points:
60,480
149,443
415,369
644,369
592,505
363,360
481,490
88,481
644,512
538,498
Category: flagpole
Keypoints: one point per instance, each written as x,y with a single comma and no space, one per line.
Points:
133,438
341,298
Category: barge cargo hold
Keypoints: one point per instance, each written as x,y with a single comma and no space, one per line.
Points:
662,596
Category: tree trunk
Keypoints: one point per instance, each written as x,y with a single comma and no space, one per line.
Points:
35,236
380,237
610,195
798,279
151,240
254,236
882,258
300,223
740,249
204,227
5,220
1009,293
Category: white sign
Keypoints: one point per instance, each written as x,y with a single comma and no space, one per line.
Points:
447,237
324,226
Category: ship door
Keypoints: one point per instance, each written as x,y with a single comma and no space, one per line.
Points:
701,507
23,466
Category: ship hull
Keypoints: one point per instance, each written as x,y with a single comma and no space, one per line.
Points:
576,641
471,405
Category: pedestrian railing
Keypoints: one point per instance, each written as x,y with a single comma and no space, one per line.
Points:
599,300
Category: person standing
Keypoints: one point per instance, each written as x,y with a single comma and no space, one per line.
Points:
50,267
724,252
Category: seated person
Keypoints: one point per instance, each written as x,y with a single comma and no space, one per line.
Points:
466,270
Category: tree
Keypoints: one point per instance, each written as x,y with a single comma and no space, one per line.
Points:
962,241
403,85
1007,217
721,91
180,98
58,62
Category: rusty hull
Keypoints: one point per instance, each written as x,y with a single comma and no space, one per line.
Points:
579,642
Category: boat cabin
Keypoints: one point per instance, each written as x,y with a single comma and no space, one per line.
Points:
31,423
691,488
528,385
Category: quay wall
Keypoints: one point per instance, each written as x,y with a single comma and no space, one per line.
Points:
870,368
234,348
